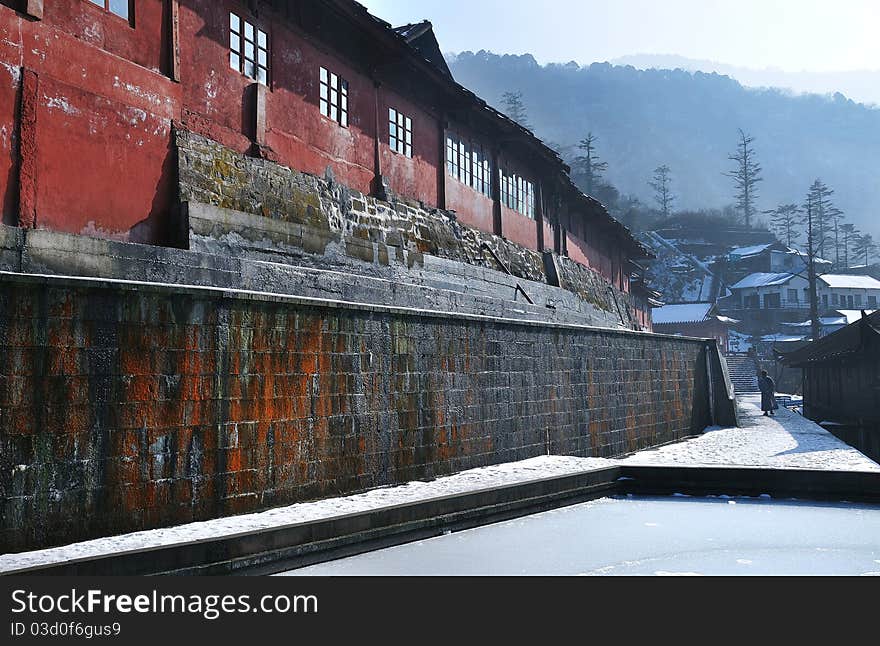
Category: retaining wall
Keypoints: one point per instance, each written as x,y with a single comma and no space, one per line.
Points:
127,406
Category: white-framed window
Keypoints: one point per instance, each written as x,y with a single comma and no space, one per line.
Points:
122,8
334,97
518,193
468,163
400,134
248,49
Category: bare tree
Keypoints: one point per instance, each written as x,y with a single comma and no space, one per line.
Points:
746,174
589,164
515,108
785,220
662,185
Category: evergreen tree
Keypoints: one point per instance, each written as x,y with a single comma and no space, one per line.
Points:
850,235
746,174
588,165
515,108
662,189
823,208
809,211
865,248
836,218
784,220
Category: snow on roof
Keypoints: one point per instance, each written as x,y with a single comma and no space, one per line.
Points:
825,320
763,280
681,313
851,316
844,281
781,338
745,252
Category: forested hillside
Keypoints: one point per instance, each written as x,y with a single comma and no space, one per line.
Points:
689,122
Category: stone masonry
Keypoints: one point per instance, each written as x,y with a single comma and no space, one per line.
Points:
126,406
317,222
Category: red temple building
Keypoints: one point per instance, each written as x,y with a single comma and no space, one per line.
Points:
92,92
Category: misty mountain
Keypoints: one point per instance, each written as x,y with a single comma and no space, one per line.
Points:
689,121
860,85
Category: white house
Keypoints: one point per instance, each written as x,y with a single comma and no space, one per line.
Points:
841,291
791,291
772,291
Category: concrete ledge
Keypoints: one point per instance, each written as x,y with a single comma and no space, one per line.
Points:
79,282
284,548
298,545
849,486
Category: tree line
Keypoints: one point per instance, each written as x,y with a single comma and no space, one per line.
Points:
816,221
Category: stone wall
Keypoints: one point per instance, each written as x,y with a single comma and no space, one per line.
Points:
316,221
128,406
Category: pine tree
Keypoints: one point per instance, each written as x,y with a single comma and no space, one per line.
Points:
662,185
784,220
589,165
850,235
865,248
746,174
836,219
823,209
809,210
516,109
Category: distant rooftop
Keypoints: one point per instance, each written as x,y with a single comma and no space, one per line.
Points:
754,250
681,313
845,281
763,280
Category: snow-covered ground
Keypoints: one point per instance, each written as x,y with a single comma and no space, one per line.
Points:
787,441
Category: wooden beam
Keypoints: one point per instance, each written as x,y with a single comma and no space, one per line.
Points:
174,41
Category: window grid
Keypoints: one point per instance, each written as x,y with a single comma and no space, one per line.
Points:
400,132
121,8
334,97
248,49
518,194
468,163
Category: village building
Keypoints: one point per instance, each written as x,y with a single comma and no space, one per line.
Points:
782,297
698,320
97,91
841,382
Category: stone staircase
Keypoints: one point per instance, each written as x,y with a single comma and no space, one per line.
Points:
743,373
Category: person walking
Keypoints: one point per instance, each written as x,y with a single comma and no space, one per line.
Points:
768,394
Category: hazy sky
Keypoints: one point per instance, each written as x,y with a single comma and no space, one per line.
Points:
793,35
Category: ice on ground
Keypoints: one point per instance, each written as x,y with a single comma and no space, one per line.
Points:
621,536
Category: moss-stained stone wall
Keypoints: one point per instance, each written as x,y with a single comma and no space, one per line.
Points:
332,222
127,406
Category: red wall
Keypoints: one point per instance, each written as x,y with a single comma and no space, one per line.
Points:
95,155
519,228
89,96
471,206
415,178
